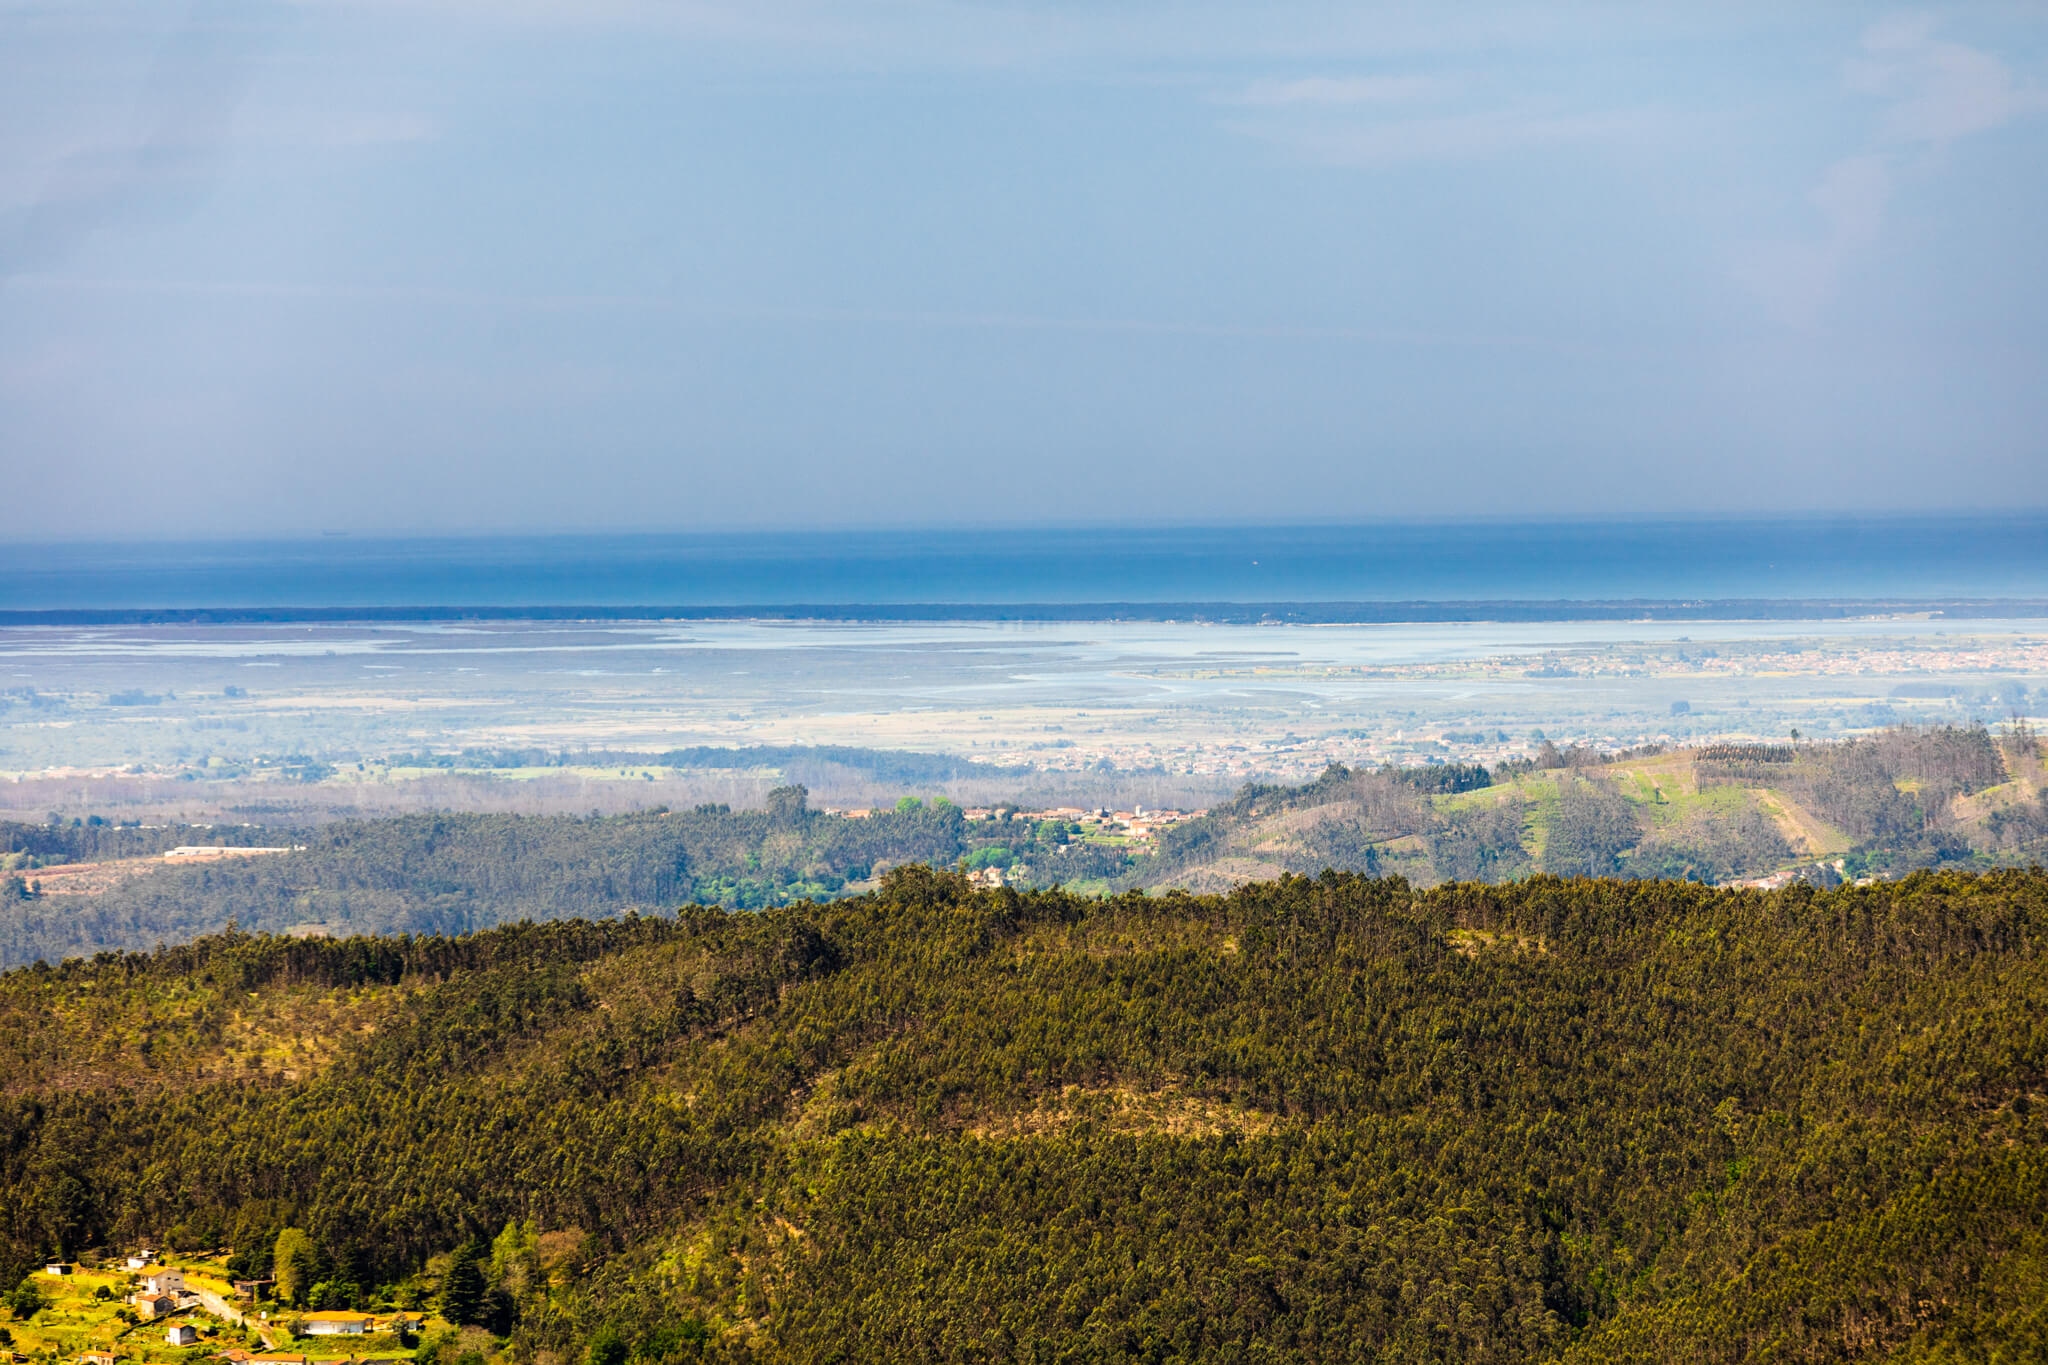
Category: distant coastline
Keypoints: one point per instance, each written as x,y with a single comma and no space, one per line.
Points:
1218,613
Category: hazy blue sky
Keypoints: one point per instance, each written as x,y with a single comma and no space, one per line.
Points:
580,263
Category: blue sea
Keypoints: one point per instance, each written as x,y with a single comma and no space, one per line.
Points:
1888,559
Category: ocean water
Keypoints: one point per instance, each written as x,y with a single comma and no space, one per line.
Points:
1897,558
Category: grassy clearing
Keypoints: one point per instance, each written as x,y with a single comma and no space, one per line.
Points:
159,1033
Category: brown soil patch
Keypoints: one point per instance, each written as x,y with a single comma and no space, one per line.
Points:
1808,835
1225,874
1121,1109
88,879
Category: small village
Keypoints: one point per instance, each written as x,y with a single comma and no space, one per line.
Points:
137,1309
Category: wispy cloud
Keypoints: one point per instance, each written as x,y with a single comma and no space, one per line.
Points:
1454,136
1933,92
184,119
1795,280
1344,90
687,312
1936,90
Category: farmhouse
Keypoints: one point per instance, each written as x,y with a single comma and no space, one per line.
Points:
97,1358
182,1333
162,1279
336,1323
57,1268
155,1305
139,1259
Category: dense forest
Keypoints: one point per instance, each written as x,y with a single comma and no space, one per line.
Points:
448,874
1334,1119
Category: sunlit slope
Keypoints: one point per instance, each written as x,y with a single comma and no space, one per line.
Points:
1313,1120
1881,806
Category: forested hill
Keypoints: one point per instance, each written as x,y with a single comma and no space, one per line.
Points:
446,874
1882,805
1327,1120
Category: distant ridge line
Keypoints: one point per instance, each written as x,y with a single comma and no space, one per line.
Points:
1220,613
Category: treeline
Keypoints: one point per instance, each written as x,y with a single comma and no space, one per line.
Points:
94,839
1317,1120
455,873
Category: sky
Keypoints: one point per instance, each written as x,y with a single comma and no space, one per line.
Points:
484,265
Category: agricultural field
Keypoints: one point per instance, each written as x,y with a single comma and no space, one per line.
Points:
87,1310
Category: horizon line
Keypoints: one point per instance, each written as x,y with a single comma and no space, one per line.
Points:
1056,526
1414,611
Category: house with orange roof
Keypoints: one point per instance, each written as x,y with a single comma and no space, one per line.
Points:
336,1323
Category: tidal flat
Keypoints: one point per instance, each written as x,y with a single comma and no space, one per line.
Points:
338,718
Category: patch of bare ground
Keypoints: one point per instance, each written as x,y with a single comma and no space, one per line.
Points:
2023,787
89,879
1121,1109
820,1112
1222,875
1471,942
1809,835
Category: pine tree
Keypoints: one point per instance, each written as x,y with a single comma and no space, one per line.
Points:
462,1292
293,1265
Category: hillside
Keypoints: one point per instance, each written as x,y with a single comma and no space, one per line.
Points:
1901,800
443,874
1339,1119
1897,801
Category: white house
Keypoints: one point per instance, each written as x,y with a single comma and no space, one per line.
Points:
335,1323
141,1258
57,1268
181,1333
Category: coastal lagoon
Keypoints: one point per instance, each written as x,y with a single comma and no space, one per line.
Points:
348,714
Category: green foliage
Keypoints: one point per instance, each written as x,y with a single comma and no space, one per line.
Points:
607,1347
447,874
463,1289
1443,779
994,855
514,1257
294,1263
1592,827
27,1300
1316,1120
